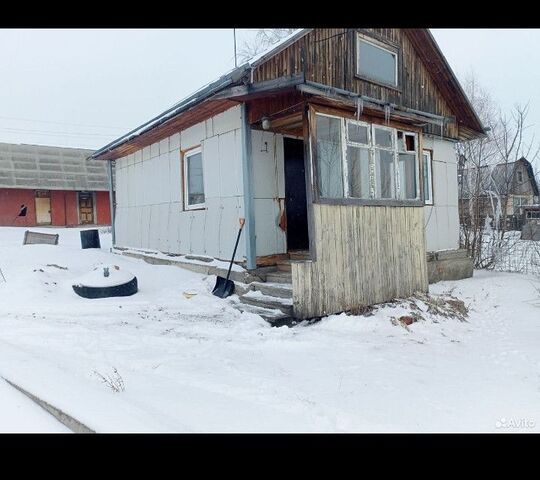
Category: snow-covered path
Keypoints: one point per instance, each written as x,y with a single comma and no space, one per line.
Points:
191,365
18,414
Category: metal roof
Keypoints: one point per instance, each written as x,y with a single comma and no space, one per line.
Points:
234,76
50,168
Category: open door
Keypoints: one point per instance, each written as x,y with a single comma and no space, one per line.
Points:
295,195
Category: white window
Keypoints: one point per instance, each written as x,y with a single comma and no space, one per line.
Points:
193,179
365,161
428,183
329,154
375,62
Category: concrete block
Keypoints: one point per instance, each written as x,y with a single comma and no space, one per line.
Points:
449,265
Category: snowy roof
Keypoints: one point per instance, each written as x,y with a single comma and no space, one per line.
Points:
232,76
50,168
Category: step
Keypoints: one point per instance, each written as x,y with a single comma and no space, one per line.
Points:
281,290
258,299
279,277
284,266
299,254
271,315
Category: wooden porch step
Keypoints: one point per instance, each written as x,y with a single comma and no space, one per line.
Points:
299,255
280,290
279,277
284,266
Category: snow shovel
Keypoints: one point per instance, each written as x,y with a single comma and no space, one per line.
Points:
225,287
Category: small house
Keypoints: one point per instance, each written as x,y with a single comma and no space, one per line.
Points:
335,145
495,189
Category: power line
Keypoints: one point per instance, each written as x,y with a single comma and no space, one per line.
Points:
45,132
61,123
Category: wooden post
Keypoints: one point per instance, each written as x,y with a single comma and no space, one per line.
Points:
111,200
249,213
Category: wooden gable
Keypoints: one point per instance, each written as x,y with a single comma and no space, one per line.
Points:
328,56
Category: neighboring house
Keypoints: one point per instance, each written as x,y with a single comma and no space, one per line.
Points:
42,185
336,145
495,189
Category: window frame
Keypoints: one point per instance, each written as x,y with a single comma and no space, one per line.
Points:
393,50
430,180
347,199
185,180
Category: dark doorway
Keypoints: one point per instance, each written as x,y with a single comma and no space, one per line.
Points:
295,195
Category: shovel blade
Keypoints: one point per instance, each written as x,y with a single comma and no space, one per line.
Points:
223,288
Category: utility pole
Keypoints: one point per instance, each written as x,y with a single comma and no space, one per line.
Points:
235,61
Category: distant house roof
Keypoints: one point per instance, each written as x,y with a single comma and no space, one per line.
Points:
422,39
50,168
497,178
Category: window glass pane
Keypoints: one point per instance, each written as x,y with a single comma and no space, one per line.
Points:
358,164
357,133
407,175
329,157
384,138
376,63
427,178
195,179
384,172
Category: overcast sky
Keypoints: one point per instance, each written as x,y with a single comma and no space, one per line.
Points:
84,88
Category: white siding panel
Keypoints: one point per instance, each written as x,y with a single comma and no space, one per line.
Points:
146,153
175,177
174,142
164,223
211,170
230,177
268,240
441,220
193,136
164,146
150,189
214,216
231,214
227,121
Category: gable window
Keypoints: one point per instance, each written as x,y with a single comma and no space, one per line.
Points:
520,176
375,62
428,184
365,161
193,179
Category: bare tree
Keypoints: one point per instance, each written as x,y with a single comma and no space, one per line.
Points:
486,173
264,39
474,157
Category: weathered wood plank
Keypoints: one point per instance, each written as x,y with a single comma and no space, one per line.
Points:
365,255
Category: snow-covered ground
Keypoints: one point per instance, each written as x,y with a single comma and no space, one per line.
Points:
161,362
18,414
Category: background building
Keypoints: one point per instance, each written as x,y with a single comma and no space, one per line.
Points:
43,185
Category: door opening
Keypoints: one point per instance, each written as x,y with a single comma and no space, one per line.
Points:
295,195
86,208
43,207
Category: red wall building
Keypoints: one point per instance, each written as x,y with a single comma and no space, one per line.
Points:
53,185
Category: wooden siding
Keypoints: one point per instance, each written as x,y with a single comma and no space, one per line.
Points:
328,56
365,255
